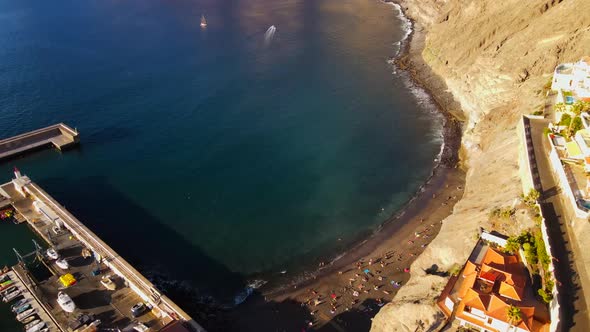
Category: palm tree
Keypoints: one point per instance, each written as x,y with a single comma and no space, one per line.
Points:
514,315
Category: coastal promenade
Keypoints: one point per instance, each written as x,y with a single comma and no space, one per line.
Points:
64,232
59,136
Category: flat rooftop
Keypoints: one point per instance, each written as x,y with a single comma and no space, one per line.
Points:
564,68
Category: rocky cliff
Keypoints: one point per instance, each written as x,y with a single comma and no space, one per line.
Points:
485,61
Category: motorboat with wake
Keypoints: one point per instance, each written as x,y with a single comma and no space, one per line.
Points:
62,264
65,302
269,34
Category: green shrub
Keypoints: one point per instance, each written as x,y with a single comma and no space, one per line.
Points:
547,131
547,85
532,197
455,269
504,213
566,119
580,106
545,296
576,124
549,284
512,245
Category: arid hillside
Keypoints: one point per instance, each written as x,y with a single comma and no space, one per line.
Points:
485,61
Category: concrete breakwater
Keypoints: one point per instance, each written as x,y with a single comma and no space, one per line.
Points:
59,136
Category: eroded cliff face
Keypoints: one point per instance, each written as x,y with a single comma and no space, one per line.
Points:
493,57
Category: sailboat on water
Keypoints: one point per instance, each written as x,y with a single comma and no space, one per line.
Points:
203,21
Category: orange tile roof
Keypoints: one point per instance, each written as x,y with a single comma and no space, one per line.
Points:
493,257
492,288
510,291
467,284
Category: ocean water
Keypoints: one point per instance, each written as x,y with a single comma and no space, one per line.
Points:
211,157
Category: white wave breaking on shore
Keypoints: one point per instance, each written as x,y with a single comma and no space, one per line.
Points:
423,97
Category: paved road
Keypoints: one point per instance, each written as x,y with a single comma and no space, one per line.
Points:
574,311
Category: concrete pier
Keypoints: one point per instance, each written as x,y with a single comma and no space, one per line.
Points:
45,215
59,136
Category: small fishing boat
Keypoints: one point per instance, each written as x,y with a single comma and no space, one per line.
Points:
108,283
6,284
203,21
29,319
4,277
20,317
52,253
11,296
22,308
65,302
18,303
32,322
9,290
36,328
62,263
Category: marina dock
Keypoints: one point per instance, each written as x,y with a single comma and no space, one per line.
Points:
59,136
89,260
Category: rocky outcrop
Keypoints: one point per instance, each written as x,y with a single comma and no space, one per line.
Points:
493,58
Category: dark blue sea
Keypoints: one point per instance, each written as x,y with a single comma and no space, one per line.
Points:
213,157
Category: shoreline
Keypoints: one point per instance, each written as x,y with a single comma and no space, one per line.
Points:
425,210
447,163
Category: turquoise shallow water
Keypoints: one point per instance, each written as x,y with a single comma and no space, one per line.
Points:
210,156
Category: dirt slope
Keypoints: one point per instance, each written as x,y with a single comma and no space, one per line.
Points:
493,58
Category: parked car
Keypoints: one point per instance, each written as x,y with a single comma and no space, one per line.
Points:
140,327
138,309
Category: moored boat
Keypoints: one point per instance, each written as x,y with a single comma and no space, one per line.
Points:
18,304
22,308
20,317
65,302
62,263
4,285
108,283
9,290
31,322
36,328
11,296
29,319
52,253
203,21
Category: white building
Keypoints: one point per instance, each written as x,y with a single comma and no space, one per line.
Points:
574,77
